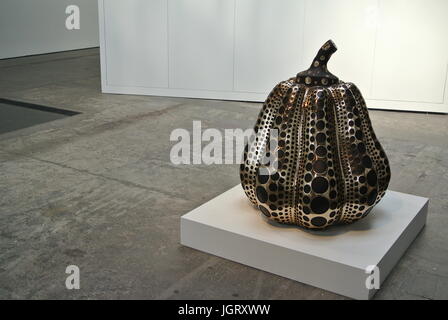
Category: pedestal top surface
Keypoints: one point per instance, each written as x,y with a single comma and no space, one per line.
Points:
360,244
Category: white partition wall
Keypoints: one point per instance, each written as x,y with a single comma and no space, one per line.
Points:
396,51
29,27
268,43
192,64
416,71
136,54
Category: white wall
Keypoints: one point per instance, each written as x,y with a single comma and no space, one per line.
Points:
38,26
396,51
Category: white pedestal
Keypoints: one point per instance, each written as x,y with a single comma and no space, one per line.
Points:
334,259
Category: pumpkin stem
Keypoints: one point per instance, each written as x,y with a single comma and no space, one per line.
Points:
318,74
324,54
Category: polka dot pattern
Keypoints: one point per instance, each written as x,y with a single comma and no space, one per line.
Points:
314,160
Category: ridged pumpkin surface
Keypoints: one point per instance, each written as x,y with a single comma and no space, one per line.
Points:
326,164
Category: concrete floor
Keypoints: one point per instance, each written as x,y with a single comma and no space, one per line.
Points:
98,190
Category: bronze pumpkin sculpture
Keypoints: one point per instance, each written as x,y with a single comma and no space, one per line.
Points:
326,165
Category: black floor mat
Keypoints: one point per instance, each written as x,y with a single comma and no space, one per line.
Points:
16,115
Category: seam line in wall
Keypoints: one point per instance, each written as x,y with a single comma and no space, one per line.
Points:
168,44
234,46
372,67
444,87
301,58
104,26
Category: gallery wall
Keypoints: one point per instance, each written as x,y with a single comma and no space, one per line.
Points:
30,27
395,51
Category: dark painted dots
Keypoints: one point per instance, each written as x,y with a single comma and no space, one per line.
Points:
318,144
371,178
321,151
308,177
318,221
265,211
357,170
320,114
278,120
367,162
333,194
363,190
367,212
372,197
320,205
263,177
320,125
361,147
319,185
320,138
307,188
262,195
320,166
320,104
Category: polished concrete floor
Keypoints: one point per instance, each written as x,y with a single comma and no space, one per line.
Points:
97,190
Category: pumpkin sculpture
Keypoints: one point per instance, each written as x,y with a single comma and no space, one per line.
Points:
325,165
